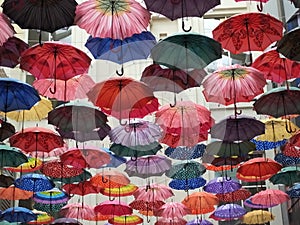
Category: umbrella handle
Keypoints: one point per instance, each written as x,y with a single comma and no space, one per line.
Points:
104,180
35,164
121,73
288,127
183,27
260,6
121,123
175,101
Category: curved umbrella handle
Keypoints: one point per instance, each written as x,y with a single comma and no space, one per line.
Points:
175,101
54,88
288,127
104,180
122,123
260,7
121,73
35,164
183,27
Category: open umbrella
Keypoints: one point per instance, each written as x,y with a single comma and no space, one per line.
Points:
186,170
81,188
294,191
287,176
229,211
286,160
187,184
42,218
34,182
6,180
172,210
11,156
13,193
110,179
199,222
248,202
248,32
6,28
85,175
127,190
238,195
66,221
270,197
127,219
77,211
6,130
147,206
18,214
288,45
257,217
115,208
53,196
222,185
169,221
185,152
52,209
153,192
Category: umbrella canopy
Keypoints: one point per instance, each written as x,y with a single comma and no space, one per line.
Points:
248,202
18,214
153,192
77,211
270,197
123,98
277,102
53,196
146,206
287,176
116,20
12,95
229,211
173,210
66,90
286,160
42,218
286,48
81,188
186,170
11,156
115,208
6,27
289,149
294,191
222,185
185,152
236,84
110,179
6,180
127,190
34,182
199,222
187,184
13,193
85,175
57,169
51,209
186,50
237,129
238,195
258,217
168,221
127,219
6,130
66,221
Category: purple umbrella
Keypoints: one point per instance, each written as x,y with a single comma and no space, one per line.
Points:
229,211
66,221
136,133
144,167
221,185
199,222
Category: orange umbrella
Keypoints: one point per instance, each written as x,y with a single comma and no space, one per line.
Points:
14,193
110,179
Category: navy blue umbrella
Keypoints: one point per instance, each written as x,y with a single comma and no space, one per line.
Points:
34,182
18,214
266,145
187,184
185,152
286,160
294,191
16,95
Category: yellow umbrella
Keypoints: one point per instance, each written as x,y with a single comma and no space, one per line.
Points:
37,112
258,217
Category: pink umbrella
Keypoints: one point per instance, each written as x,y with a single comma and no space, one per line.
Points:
67,90
115,208
6,28
171,221
153,192
77,211
270,197
173,210
113,19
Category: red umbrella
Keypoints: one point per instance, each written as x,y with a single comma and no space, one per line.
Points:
291,150
57,169
54,60
270,197
77,211
116,208
248,32
146,205
123,98
7,30
82,188
234,196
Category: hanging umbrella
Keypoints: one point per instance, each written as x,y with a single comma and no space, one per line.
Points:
13,193
290,150
186,170
277,102
12,95
55,60
227,163
115,19
199,222
127,219
77,211
66,221
100,217
85,175
146,206
83,136
115,208
222,185
294,191
229,211
270,197
81,188
173,210
153,192
185,152
248,202
258,217
236,84
148,166
6,130
11,50
18,214
248,32
34,182
6,180
187,184
42,218
127,190
110,179
286,160
52,209
11,156
185,51
123,98
53,196
288,45
6,28
200,202
46,16
258,169
170,221
237,128
67,90
115,159
275,67
238,195
287,176
215,168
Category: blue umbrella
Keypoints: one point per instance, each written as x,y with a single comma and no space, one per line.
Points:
250,204
221,185
18,214
294,191
34,182
185,153
266,145
187,184
286,160
16,95
199,222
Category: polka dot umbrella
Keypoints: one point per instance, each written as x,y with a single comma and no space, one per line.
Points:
34,182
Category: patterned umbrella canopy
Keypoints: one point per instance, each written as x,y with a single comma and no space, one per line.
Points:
186,170
185,152
187,184
230,211
294,191
34,182
221,185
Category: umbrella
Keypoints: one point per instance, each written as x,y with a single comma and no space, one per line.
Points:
6,180
286,160
200,202
83,136
11,156
13,193
287,176
90,157
42,218
248,202
115,19
55,60
238,195
185,152
11,50
127,190
236,84
258,217
291,51
185,51
81,188
6,130
187,184
47,16
100,217
170,221
57,169
277,102
148,166
18,214
173,210
12,95
110,179
77,211
127,219
85,175
146,206
289,149
199,222
248,32
115,208
153,192
37,112
258,169
53,196
34,182
123,98
222,185
141,132
66,221
237,128
222,163
186,170
51,209
6,28
276,68
115,159
294,191
270,197
174,10
67,90
229,211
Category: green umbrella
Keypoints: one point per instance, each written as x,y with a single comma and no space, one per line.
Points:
287,175
11,156
51,209
186,50
186,170
135,151
81,177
